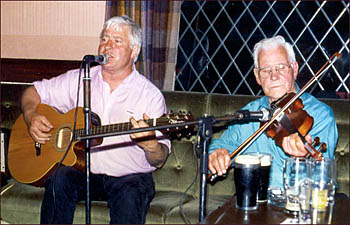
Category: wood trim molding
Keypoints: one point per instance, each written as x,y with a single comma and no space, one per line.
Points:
29,70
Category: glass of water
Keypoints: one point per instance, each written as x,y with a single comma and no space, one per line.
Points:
295,171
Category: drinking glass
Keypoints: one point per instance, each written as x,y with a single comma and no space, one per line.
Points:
295,171
246,176
323,182
304,202
264,174
276,196
316,194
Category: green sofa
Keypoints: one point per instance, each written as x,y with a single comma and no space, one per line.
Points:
21,203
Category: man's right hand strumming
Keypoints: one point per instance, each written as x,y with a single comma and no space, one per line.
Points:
38,125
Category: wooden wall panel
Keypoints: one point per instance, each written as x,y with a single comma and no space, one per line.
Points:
17,75
29,70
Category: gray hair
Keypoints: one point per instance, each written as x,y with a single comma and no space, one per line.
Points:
271,43
135,33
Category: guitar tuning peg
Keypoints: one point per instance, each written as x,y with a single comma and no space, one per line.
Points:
188,135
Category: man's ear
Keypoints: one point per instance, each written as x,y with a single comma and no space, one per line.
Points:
257,78
135,51
295,69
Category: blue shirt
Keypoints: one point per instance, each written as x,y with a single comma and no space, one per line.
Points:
324,127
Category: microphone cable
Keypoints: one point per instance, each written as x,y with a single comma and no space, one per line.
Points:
70,143
187,221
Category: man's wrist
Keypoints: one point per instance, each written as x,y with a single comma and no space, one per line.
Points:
154,149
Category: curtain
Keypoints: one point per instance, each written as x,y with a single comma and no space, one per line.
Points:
159,21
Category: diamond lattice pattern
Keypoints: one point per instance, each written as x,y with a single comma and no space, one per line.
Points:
217,38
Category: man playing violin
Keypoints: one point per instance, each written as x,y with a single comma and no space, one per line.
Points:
275,71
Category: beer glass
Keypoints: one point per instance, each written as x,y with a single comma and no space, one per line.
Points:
264,175
304,196
323,182
295,171
246,177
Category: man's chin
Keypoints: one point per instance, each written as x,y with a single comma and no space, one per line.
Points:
275,97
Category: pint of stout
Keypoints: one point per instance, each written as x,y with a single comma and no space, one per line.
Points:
246,175
265,160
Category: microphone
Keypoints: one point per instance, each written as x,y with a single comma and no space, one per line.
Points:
101,59
263,115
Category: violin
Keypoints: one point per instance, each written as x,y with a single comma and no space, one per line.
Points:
294,120
288,117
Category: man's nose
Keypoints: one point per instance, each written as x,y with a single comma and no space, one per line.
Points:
109,44
275,73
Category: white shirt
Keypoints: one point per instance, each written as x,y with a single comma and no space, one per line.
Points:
118,155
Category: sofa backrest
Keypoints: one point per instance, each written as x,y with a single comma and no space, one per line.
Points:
179,171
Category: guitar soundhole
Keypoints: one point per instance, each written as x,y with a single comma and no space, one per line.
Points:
62,138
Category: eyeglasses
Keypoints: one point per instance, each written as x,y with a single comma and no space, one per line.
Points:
279,68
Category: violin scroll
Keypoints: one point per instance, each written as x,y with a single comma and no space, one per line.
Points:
316,154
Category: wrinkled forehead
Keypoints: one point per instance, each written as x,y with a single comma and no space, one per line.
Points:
272,56
117,28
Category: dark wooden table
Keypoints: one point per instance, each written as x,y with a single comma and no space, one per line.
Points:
269,214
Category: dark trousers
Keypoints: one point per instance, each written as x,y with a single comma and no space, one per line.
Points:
128,197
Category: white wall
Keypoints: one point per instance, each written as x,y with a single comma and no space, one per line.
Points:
65,30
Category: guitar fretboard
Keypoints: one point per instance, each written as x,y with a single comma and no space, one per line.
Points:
111,128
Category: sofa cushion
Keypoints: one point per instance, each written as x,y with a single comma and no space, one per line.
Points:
191,209
179,170
21,204
162,203
343,172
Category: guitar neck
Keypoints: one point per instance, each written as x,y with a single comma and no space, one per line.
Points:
119,127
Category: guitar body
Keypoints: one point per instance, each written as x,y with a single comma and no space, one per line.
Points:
32,166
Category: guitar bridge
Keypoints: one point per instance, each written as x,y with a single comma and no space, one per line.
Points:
37,148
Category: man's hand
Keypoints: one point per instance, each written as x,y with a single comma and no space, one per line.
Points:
39,127
147,139
293,144
219,161
156,153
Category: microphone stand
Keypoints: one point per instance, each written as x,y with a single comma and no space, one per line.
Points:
87,120
206,131
205,126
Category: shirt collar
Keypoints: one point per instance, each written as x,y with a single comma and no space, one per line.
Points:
127,81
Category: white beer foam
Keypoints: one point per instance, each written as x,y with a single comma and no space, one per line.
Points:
247,159
265,160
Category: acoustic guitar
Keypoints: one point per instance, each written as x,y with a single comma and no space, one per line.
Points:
32,163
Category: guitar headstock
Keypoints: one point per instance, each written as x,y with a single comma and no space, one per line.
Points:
180,119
